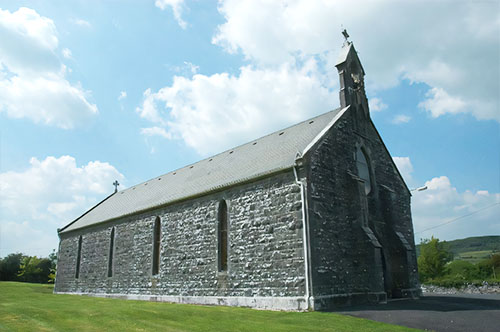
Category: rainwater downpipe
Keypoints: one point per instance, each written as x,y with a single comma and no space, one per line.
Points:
305,234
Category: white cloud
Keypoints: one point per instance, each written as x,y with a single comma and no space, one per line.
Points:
405,168
123,95
376,105
210,113
28,42
81,22
192,68
452,46
187,69
281,39
438,102
268,32
149,110
49,194
50,100
442,202
32,78
401,118
156,131
177,6
66,52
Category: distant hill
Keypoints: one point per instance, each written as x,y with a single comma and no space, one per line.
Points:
472,249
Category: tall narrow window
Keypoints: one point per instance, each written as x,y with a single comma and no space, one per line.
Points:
156,246
363,169
111,253
223,238
78,258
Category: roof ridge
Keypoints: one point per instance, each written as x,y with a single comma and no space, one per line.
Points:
230,149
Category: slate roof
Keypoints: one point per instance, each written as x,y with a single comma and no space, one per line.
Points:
266,155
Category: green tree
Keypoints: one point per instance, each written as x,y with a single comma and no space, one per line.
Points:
432,259
34,269
53,257
53,267
9,267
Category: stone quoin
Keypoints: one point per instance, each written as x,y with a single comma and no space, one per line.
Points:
311,217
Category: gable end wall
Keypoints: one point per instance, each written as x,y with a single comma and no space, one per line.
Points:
346,248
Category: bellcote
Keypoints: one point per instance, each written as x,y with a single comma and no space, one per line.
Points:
352,85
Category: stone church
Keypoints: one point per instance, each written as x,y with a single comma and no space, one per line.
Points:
310,217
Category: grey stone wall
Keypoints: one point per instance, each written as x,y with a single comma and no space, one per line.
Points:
266,257
354,244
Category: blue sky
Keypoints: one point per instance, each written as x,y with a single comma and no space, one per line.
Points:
93,91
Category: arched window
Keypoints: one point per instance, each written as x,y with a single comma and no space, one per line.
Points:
111,253
78,258
156,246
363,169
223,238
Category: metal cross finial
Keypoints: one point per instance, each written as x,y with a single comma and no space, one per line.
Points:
116,184
346,35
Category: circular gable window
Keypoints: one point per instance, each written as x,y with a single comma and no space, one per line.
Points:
363,169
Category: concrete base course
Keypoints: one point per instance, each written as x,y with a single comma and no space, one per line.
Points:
268,303
297,303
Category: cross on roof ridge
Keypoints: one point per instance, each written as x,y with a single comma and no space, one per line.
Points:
116,184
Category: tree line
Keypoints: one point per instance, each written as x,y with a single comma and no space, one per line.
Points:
437,266
21,267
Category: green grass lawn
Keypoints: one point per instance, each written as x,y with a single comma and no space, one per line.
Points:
33,307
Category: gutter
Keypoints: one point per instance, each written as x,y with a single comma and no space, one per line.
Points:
305,234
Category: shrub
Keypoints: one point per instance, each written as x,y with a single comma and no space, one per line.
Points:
432,259
462,270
